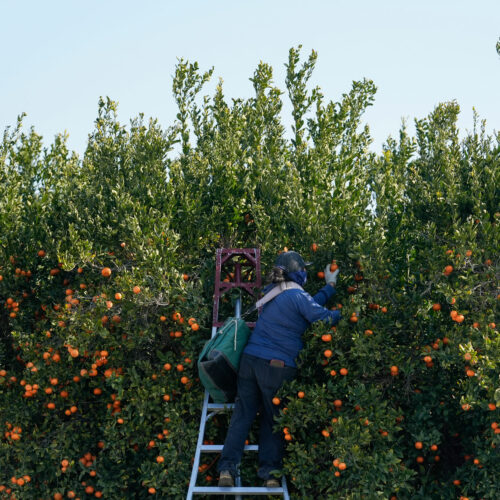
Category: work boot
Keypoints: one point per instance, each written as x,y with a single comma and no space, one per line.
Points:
271,483
226,478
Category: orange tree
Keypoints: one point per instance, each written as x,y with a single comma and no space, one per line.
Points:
107,265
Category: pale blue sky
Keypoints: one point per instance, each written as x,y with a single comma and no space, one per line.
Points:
58,57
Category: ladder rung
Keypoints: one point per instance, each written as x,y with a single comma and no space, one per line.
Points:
213,448
220,406
238,490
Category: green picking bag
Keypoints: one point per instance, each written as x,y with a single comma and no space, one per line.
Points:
220,359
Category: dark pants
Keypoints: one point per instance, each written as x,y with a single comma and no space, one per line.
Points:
258,383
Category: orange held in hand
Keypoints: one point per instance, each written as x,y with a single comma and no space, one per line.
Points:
333,266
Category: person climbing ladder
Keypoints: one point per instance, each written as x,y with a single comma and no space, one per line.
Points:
269,359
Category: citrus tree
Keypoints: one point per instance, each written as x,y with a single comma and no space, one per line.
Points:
106,283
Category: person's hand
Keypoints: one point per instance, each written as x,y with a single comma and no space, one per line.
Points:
331,276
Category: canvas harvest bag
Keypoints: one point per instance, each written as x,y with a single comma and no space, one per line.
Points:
219,360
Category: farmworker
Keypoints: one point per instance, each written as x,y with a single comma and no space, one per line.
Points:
268,361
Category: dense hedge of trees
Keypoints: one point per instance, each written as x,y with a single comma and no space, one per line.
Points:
106,282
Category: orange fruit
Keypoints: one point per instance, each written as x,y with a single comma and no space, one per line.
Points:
314,247
418,445
136,289
276,401
326,337
195,327
301,394
106,272
328,353
160,459
436,307
343,371
321,275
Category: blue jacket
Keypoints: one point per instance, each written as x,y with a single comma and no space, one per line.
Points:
278,331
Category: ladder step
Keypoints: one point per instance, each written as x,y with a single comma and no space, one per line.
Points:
214,448
220,406
238,490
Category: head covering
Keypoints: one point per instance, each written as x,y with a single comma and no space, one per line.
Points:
291,262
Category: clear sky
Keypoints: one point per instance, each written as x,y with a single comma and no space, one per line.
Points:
58,57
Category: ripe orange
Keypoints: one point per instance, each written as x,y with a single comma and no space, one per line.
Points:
195,327
321,275
328,353
333,266
394,370
301,394
436,307
160,459
136,289
418,445
342,466
276,401
106,272
337,403
314,247
326,337
343,371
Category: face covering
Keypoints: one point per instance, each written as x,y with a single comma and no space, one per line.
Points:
300,277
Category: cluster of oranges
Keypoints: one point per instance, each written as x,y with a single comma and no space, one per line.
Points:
13,432
339,465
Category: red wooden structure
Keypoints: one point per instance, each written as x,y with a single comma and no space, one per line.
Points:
236,268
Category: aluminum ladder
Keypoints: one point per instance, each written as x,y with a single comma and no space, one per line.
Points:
240,264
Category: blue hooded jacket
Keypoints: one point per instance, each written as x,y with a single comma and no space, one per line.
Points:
278,331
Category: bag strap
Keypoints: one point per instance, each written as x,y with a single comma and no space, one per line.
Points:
276,290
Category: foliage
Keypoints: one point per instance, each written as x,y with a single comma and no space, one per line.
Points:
95,386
